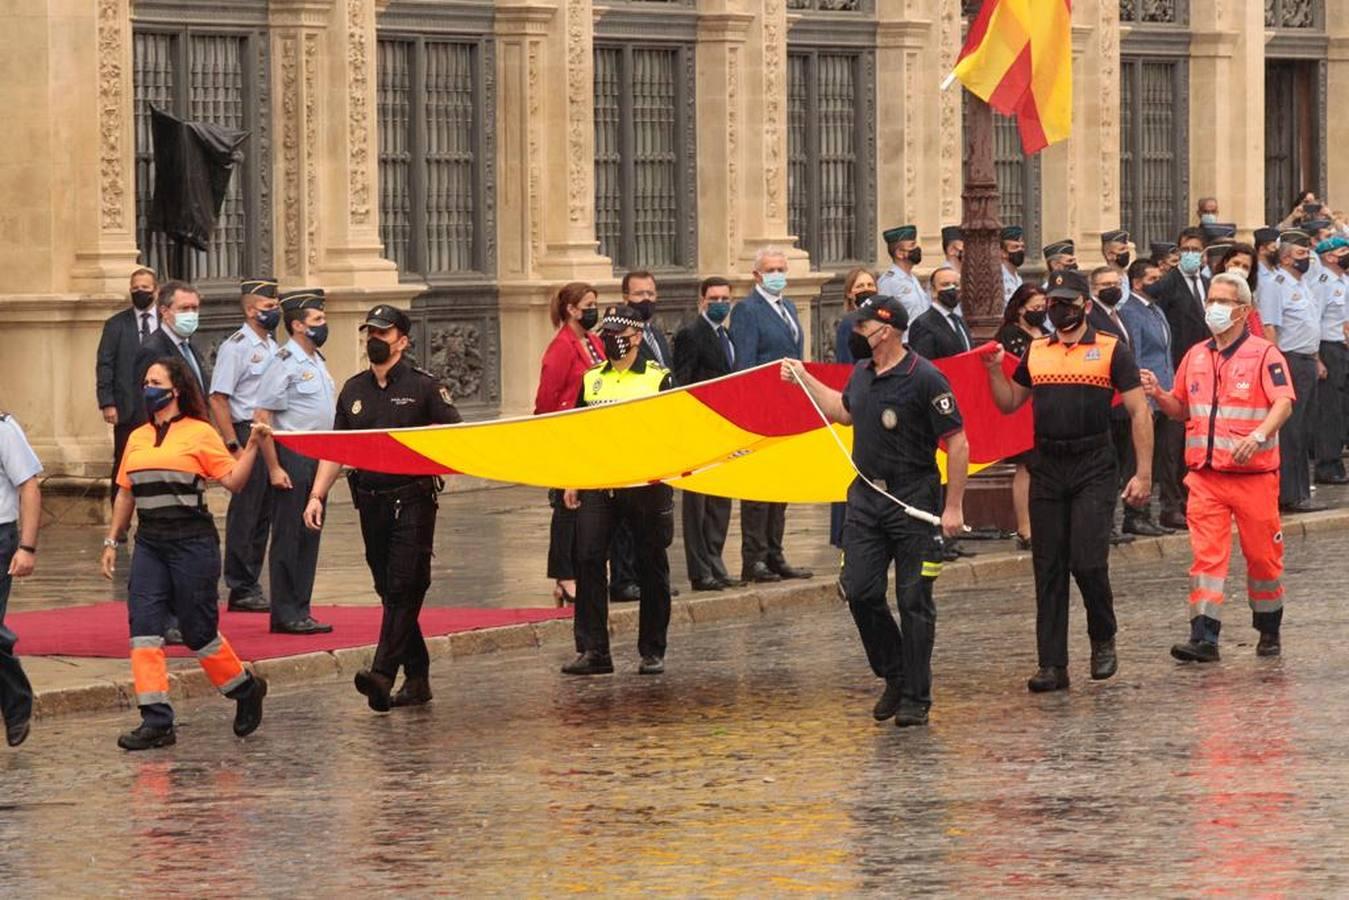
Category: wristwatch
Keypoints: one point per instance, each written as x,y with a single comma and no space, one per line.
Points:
232,446
110,542
1258,437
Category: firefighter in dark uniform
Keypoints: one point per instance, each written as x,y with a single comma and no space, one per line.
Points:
397,512
900,406
648,512
1073,376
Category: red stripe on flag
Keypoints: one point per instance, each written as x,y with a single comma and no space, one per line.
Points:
1028,125
374,451
741,399
1015,85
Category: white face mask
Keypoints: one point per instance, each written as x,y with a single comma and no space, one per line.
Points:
1238,271
1218,317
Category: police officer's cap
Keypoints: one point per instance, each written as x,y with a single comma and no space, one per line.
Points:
1217,248
900,233
1119,236
1219,231
1163,248
1059,248
302,298
1296,238
262,287
1316,225
950,233
621,318
386,316
1069,284
881,308
1332,243
1266,235
1012,233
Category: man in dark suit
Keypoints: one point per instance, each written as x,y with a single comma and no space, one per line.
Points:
1180,294
119,392
765,328
941,331
179,309
703,350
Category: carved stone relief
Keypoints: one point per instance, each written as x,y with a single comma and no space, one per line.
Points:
112,102
359,122
580,115
774,60
291,198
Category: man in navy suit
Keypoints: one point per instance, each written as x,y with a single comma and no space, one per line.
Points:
765,328
119,392
179,311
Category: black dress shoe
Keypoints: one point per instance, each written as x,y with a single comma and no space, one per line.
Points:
1306,505
416,691
1174,520
147,737
728,583
1268,646
248,707
173,637
589,663
253,603
376,688
652,665
304,626
674,592
890,700
628,593
911,714
17,732
1145,528
1048,678
786,571
708,584
759,573
1195,651
1117,538
1103,661
1022,542
1333,479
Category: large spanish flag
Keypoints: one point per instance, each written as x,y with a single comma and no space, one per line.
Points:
1018,57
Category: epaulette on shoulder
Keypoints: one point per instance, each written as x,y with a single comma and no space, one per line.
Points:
1279,279
420,371
237,337
1324,277
283,353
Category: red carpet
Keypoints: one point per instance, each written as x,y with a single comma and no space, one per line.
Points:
101,630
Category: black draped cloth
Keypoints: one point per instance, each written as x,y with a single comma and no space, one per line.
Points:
193,165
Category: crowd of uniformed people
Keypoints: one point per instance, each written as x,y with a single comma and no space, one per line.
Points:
1213,369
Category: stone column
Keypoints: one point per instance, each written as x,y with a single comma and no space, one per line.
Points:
723,31
1337,127
1080,176
1227,83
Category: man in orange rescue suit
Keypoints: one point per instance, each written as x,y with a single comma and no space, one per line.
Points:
1233,393
1073,377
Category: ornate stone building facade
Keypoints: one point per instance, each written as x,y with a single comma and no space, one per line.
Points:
465,158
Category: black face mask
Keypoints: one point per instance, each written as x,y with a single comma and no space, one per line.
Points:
378,351
915,255
644,308
1071,267
590,317
1017,258
616,346
1122,260
949,297
142,299
1152,290
1110,296
859,346
318,334
1066,316
1035,318
1302,265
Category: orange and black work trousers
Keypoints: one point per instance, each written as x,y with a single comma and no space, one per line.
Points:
1072,504
1252,499
179,578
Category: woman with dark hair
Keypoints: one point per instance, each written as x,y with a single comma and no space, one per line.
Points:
574,311
1239,259
858,285
175,566
1022,322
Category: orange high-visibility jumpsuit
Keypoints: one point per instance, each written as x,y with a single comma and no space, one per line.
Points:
1227,394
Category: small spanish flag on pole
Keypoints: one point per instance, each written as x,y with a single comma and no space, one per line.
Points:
1018,58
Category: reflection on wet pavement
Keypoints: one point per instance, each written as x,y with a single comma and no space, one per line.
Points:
752,767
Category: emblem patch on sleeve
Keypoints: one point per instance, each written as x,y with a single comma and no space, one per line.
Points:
1278,375
944,403
445,395
356,408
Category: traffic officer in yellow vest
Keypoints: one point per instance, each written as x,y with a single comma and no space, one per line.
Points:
648,512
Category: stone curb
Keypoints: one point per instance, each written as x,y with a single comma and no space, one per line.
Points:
739,605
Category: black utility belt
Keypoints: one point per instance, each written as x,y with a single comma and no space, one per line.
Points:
415,490
1307,356
1075,445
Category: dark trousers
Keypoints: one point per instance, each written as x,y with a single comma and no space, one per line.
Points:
174,579
120,433
761,528
398,536
561,539
1328,431
1168,466
649,513
838,513
1163,469
16,694
895,651
1072,497
1295,436
622,558
246,526
1122,446
294,555
706,520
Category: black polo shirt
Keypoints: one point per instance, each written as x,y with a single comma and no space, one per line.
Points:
1073,385
412,397
898,417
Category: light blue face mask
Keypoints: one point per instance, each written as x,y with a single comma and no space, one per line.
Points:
1191,261
1208,219
185,323
775,282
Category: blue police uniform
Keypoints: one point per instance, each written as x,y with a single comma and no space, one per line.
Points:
1290,305
1328,418
906,288
18,464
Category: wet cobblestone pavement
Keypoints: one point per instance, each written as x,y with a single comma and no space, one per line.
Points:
753,766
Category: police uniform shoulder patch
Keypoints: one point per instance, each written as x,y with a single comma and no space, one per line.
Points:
356,407
237,337
420,371
283,353
944,403
1278,375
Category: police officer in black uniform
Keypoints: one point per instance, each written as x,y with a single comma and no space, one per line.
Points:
900,406
397,512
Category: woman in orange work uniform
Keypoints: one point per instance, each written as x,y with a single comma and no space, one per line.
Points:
175,567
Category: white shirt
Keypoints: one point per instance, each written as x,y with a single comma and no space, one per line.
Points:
947,315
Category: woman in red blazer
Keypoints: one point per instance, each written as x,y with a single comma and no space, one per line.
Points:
574,311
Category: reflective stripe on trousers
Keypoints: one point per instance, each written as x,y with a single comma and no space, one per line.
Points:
149,670
1216,499
222,665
